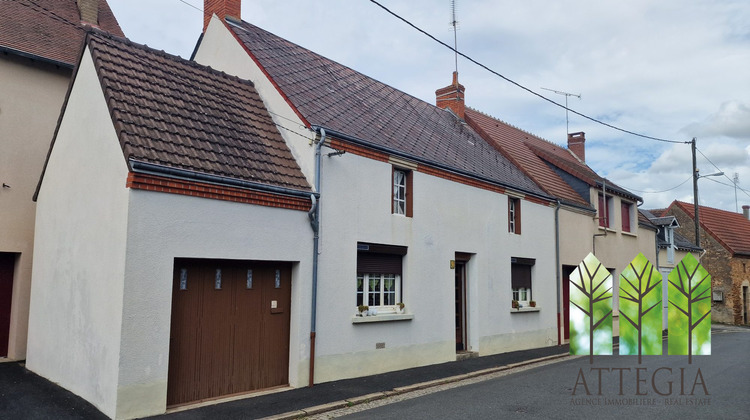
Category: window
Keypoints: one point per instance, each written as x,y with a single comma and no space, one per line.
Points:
605,211
379,272
626,214
520,278
402,186
514,215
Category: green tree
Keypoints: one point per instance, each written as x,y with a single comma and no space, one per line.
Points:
640,304
591,309
689,312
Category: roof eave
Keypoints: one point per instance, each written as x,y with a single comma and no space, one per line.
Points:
35,57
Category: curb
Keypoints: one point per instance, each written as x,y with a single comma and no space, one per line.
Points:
318,409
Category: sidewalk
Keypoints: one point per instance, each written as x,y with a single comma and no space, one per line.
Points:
25,395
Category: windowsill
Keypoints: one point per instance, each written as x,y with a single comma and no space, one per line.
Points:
635,235
525,309
608,229
381,318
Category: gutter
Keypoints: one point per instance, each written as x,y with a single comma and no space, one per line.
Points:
314,215
557,270
188,175
441,166
61,64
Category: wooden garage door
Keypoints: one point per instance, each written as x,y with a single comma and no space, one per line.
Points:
6,292
230,328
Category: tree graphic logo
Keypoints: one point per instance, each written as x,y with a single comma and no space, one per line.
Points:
640,294
640,309
591,309
689,313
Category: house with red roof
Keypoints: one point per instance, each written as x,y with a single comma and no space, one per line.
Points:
414,207
39,46
725,237
173,244
595,215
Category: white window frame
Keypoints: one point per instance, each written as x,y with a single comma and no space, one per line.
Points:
381,293
399,192
514,205
522,294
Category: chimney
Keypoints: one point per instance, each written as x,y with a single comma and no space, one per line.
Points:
89,10
452,97
220,8
577,144
746,211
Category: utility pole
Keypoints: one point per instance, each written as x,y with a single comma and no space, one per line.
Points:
695,197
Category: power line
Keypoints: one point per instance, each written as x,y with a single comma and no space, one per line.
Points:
723,173
657,192
522,86
726,185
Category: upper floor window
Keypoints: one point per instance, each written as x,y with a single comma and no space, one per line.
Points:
520,279
401,196
605,210
627,216
514,215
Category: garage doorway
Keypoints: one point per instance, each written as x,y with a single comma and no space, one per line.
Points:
230,328
7,263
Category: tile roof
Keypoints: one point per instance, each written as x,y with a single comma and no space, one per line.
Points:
731,230
680,241
48,29
535,155
176,113
335,97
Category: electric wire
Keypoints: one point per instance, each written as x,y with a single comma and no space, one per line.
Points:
522,86
657,192
723,172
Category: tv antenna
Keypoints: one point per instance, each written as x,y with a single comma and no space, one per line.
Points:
566,94
454,23
736,180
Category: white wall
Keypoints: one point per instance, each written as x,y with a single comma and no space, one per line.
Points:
79,264
32,94
448,218
163,227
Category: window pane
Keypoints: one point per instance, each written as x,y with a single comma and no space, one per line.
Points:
360,289
374,290
389,289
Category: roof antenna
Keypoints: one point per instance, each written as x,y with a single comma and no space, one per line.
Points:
567,128
454,23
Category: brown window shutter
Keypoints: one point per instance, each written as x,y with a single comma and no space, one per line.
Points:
520,275
518,216
625,217
409,195
393,175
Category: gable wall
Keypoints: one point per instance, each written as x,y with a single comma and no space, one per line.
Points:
32,94
79,265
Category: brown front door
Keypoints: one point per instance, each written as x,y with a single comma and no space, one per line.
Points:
7,262
567,271
460,289
230,328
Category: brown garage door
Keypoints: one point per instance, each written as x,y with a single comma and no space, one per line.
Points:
230,328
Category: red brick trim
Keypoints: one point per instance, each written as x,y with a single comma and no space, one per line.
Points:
358,150
216,192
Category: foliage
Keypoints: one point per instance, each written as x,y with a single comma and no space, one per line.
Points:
591,309
640,308
689,311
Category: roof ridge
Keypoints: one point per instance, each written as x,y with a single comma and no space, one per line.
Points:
99,33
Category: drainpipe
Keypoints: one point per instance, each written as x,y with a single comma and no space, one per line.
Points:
606,216
314,215
557,267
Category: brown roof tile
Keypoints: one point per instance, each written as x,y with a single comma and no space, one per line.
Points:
536,156
48,29
730,229
176,113
333,96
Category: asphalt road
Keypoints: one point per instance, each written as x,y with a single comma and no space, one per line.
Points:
719,391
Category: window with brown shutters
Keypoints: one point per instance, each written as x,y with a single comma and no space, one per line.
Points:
401,193
514,215
379,275
520,278
625,214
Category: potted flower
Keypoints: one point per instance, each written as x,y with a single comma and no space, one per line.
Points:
363,310
400,307
532,304
514,304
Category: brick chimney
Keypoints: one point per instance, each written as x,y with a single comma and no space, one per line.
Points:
746,211
452,96
220,8
577,144
89,10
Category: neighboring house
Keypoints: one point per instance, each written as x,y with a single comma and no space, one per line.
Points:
595,215
39,45
672,248
725,237
173,246
415,207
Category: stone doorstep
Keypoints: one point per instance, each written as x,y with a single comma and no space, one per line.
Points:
318,409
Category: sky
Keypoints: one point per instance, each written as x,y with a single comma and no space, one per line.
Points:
671,69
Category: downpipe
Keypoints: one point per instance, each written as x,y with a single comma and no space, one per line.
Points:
314,215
